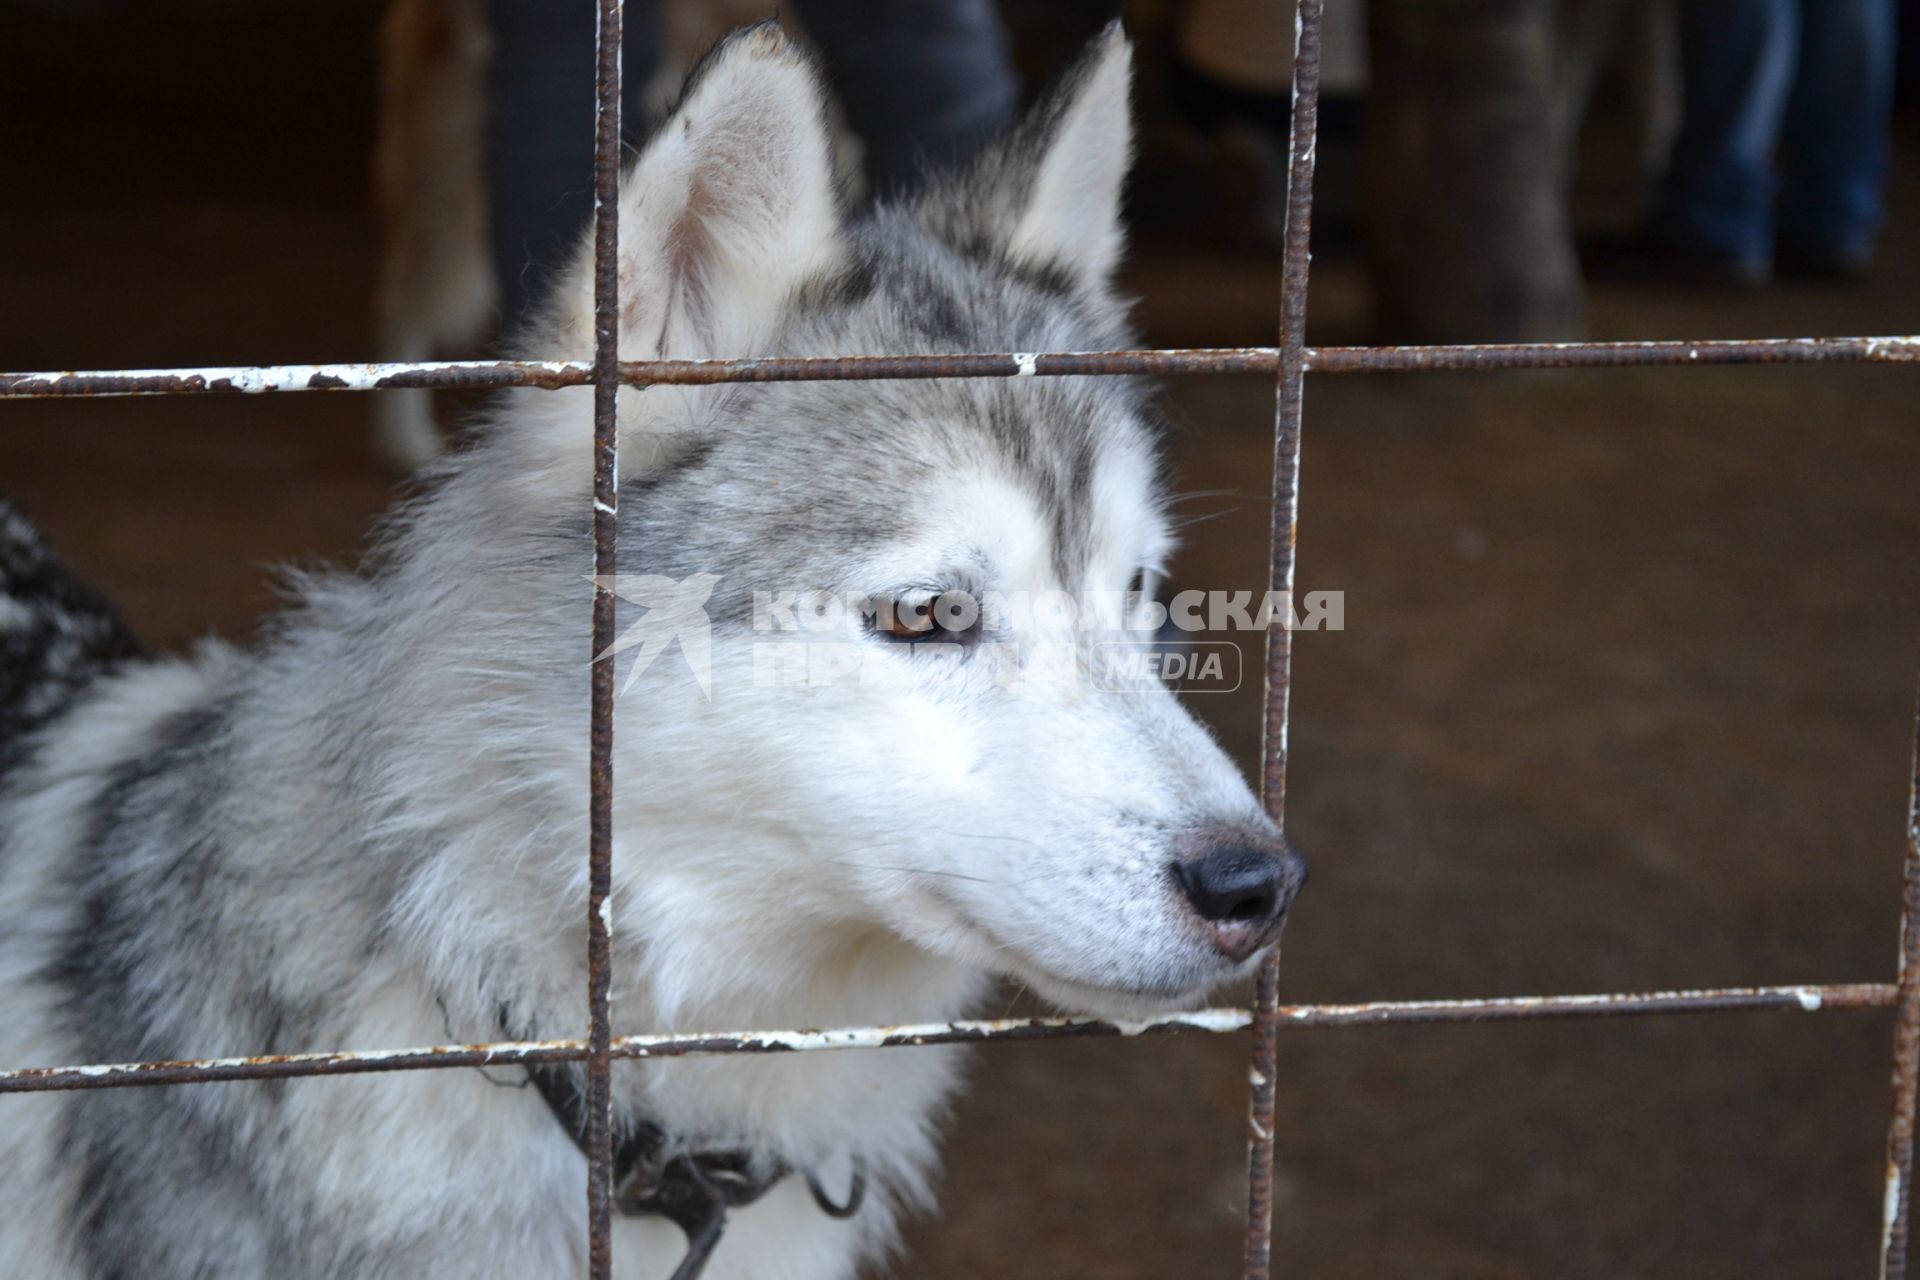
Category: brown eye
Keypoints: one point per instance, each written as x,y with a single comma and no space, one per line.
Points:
952,616
909,621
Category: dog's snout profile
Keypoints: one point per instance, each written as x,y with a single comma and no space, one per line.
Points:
1241,885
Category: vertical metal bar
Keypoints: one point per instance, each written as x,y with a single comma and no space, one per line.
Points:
606,527
1286,513
1906,1047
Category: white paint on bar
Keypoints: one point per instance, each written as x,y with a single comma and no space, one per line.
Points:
1903,349
1812,999
97,1070
909,1033
255,379
700,1044
1889,1215
1900,348
1217,1020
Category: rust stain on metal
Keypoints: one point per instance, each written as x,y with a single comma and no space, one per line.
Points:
1610,355
285,1066
1835,997
1291,367
606,527
554,375
1906,1047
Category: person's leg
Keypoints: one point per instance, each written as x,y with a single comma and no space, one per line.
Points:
540,134
923,82
1838,133
1737,69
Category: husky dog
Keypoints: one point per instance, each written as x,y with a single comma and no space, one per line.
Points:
369,830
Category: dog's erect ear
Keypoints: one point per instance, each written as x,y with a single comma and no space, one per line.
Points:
730,206
1050,191
1071,216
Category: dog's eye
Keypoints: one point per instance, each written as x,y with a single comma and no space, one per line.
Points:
905,621
952,615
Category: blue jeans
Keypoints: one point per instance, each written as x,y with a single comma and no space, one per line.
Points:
923,82
1785,129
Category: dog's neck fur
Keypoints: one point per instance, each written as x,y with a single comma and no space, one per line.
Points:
470,801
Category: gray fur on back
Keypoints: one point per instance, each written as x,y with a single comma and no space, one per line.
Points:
56,633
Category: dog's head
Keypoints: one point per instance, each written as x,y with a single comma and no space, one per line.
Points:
908,596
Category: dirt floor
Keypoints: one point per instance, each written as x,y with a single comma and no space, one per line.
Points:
1624,699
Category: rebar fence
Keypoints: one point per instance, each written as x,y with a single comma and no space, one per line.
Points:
1289,362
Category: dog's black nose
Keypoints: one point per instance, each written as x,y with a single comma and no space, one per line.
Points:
1241,886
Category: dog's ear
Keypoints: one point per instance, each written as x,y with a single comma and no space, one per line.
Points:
732,203
1049,194
1071,215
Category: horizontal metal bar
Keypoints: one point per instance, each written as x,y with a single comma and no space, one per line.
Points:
1805,999
257,379
554,374
1612,355
1811,999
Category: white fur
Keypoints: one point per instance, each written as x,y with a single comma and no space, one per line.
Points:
865,851
1072,217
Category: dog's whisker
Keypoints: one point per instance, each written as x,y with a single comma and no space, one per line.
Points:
1195,495
1188,522
916,871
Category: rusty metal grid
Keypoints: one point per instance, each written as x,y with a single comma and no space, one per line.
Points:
1289,362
